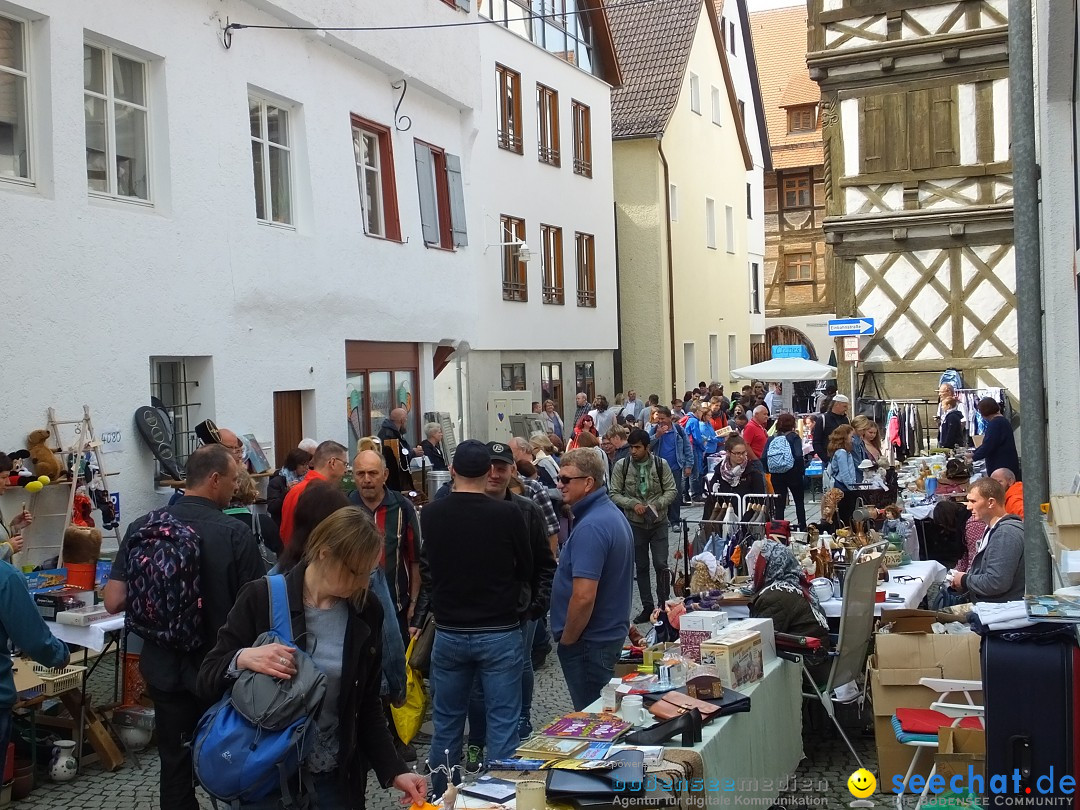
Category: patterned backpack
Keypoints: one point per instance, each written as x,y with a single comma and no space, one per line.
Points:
163,599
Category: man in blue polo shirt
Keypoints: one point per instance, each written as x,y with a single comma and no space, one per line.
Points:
591,593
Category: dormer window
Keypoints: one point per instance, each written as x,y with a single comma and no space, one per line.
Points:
802,118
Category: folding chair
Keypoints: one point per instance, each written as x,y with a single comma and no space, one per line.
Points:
849,652
940,713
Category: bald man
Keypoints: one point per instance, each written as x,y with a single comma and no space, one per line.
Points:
1014,491
396,518
754,432
397,451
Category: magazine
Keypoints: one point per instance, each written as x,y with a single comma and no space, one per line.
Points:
542,747
587,726
1053,608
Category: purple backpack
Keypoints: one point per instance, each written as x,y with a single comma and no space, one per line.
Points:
163,599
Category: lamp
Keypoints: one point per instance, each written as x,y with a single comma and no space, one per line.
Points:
524,254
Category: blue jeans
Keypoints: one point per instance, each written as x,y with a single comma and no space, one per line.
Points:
587,667
457,659
477,718
697,476
674,512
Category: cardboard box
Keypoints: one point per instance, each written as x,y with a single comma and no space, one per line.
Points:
911,648
711,620
50,603
763,626
737,656
894,758
961,749
1064,516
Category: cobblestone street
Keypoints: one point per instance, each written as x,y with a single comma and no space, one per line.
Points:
820,781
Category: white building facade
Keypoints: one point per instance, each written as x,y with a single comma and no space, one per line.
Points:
250,233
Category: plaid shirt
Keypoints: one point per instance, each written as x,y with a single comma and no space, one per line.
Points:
537,493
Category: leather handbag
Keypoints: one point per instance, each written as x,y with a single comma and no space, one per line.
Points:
421,652
673,704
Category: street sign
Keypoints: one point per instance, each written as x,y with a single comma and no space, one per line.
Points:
796,350
838,327
851,343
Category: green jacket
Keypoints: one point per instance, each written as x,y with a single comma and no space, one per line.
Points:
623,489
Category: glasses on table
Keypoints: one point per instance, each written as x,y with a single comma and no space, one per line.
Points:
905,578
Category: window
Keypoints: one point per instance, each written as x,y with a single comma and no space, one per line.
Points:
695,94
551,384
582,139
798,267
174,381
749,201
547,122
513,376
797,191
742,112
717,109
729,223
271,157
509,89
673,202
374,153
755,288
910,131
515,285
731,37
553,264
14,113
732,352
117,135
461,4
586,271
689,363
710,223
584,379
714,358
442,197
802,119
557,26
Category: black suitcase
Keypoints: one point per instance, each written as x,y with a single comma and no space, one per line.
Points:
1031,718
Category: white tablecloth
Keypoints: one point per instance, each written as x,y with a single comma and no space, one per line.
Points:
912,593
92,636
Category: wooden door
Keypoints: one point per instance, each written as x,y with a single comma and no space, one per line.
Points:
288,423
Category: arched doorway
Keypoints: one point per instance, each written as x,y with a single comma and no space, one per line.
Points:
780,336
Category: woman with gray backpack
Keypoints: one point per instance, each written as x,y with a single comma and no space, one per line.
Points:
783,461
333,635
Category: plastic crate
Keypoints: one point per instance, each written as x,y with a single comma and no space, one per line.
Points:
58,680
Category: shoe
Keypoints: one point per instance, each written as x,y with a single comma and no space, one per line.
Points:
538,661
525,729
474,757
689,725
406,752
644,617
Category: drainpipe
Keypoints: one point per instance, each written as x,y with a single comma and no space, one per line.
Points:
1029,312
670,265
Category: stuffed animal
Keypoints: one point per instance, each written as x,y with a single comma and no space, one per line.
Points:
82,544
45,460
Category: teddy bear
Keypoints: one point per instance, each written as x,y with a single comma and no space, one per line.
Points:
44,460
82,544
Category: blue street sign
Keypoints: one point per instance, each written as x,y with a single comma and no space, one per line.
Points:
839,327
797,350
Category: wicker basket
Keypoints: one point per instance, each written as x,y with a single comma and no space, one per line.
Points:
59,680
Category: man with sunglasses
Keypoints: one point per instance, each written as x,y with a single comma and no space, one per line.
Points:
591,594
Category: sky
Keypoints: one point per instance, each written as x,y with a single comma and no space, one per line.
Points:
761,5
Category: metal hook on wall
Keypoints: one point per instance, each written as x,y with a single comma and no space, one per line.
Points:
226,33
402,123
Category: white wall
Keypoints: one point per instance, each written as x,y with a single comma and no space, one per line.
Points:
100,286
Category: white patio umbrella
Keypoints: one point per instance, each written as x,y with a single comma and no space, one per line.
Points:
785,369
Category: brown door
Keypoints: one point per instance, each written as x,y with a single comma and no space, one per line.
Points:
288,424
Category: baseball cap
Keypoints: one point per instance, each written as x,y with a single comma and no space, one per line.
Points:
471,459
497,451
841,398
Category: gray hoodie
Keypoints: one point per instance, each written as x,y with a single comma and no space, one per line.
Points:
997,572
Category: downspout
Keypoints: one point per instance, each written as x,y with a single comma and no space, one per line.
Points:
670,264
1029,311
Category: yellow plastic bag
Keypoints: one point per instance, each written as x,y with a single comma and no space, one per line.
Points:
410,716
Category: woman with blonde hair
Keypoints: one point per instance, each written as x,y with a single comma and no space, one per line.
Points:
867,439
547,468
338,625
262,525
845,474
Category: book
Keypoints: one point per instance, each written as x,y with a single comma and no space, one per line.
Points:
256,456
597,750
1053,608
546,748
587,726
653,753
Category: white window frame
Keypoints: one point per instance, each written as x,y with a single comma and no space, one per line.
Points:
111,102
266,145
695,93
24,75
729,222
363,171
717,109
710,223
673,201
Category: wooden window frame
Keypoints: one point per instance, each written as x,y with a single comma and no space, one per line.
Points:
387,179
797,260
551,240
551,376
508,84
586,385
802,119
585,249
442,196
797,184
547,125
512,368
582,116
515,278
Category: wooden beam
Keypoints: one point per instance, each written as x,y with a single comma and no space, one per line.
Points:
938,173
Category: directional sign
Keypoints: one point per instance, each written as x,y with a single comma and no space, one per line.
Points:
838,327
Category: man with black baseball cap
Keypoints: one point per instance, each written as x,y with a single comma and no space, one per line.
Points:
477,573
